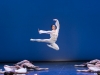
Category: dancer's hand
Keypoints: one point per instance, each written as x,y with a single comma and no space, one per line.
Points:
54,19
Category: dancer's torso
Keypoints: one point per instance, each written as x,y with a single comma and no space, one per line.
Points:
54,35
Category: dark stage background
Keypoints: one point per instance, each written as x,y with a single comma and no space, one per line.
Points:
79,37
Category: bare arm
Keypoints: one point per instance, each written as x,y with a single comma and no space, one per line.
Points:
79,65
57,24
84,70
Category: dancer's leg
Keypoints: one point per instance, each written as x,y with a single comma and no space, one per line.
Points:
84,70
54,46
41,40
39,69
21,62
82,65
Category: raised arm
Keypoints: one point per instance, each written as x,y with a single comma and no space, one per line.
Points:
57,24
43,31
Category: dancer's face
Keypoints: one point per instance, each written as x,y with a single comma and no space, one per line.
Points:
53,27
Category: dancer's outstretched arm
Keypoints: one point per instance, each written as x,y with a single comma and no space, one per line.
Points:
57,24
84,70
43,31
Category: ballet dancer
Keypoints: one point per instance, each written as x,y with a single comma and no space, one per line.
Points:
30,66
53,35
11,70
95,61
91,68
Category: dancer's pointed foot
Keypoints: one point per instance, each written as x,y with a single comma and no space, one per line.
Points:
32,39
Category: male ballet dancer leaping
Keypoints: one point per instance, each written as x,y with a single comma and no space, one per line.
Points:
53,36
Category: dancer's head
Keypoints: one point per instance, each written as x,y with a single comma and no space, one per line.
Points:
53,27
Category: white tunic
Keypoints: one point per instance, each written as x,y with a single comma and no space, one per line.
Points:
21,70
53,33
94,68
8,69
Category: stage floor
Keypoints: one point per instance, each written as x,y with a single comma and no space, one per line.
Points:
55,68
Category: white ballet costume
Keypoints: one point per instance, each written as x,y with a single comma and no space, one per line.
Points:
53,36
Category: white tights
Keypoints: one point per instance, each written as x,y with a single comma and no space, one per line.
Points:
51,45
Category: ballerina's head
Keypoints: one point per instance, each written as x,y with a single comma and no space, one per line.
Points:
53,27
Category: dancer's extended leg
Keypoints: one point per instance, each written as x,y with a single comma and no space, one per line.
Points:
41,40
39,69
54,46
